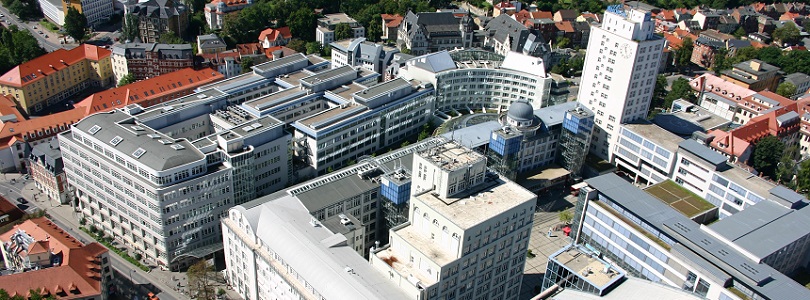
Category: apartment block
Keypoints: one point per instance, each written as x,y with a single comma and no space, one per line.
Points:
159,179
620,67
754,74
428,32
652,234
96,11
325,32
57,76
216,10
150,60
466,234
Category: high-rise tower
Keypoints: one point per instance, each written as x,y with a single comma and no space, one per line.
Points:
619,74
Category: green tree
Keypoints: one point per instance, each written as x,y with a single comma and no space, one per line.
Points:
683,55
744,54
75,24
680,90
374,29
659,92
201,281
127,79
246,63
739,33
786,89
297,45
794,61
563,42
767,152
425,133
343,31
566,217
170,37
302,24
770,55
786,166
721,61
787,34
129,30
314,47
803,177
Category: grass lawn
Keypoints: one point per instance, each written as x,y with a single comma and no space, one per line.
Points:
678,197
49,26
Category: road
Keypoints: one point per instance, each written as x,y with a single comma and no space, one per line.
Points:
48,45
63,216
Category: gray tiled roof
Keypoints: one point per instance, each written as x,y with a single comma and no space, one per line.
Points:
702,152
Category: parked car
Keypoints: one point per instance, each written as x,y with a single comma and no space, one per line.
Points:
40,32
22,200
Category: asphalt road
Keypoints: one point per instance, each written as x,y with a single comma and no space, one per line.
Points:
12,19
125,289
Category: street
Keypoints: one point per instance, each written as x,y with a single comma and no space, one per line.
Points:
45,43
159,282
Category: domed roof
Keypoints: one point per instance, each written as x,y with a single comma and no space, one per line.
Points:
521,111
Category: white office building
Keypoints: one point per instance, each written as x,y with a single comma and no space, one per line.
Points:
363,54
619,74
158,180
325,32
467,231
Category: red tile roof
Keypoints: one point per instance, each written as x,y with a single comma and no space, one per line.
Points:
564,26
284,50
248,49
50,63
391,20
79,275
273,34
13,212
230,2
9,107
542,15
144,91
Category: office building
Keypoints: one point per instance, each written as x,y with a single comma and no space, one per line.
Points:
216,10
47,170
150,60
44,258
54,77
96,11
655,234
156,17
466,234
620,69
363,54
327,224
325,32
467,80
159,179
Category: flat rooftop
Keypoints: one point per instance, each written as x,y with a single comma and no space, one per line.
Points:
275,99
491,198
631,289
451,156
749,181
656,134
346,91
314,121
294,78
590,268
679,198
427,247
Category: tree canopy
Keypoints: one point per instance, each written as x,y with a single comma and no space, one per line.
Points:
786,89
16,47
201,280
170,38
787,34
129,30
767,152
680,90
75,24
246,63
127,79
683,55
788,61
25,9
343,31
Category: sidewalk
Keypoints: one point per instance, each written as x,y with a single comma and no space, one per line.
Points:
65,217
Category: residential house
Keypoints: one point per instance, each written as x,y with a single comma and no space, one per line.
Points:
150,60
429,32
156,17
216,10
565,15
272,37
325,32
390,25
504,34
210,43
801,81
47,170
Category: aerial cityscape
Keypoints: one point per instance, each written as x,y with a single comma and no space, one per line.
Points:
404,149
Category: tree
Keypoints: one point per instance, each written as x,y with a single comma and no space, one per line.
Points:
744,54
129,30
314,47
721,61
770,55
566,217
786,89
201,281
246,63
297,45
374,29
75,24
684,53
343,31
16,47
659,92
787,34
425,133
680,90
786,166
169,37
740,32
803,177
302,24
563,42
127,79
767,152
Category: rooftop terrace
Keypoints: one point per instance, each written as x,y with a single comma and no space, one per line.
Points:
679,198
